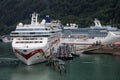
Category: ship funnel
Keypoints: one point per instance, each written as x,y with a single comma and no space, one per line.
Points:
47,19
34,18
97,23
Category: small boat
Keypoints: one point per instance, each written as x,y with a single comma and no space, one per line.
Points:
6,39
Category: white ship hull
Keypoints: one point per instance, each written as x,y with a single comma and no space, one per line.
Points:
84,37
32,54
109,39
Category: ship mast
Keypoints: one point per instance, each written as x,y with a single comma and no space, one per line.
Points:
97,23
34,19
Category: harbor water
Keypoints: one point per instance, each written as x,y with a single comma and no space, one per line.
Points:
85,67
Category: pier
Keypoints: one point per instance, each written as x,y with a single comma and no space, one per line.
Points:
56,60
64,52
107,49
57,64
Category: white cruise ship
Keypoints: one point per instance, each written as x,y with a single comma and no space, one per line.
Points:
32,43
89,35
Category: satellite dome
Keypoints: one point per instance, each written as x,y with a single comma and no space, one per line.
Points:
20,24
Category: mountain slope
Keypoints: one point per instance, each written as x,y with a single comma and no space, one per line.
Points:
81,12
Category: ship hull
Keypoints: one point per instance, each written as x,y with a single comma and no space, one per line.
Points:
86,42
37,53
31,57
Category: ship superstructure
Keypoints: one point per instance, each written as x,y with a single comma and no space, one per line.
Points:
90,35
32,43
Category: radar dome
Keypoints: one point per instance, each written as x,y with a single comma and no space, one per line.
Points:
43,21
20,24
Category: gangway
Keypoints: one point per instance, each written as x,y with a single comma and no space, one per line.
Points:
88,49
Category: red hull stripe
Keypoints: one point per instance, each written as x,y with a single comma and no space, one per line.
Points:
78,43
27,56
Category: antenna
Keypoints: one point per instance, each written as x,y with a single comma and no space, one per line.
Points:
97,23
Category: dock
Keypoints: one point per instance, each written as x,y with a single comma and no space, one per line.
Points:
57,60
57,64
103,49
65,52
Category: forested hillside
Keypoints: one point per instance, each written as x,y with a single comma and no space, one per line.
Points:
81,12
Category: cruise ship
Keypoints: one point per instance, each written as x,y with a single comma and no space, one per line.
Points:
33,43
90,35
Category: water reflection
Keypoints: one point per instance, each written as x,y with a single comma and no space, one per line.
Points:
85,67
35,72
95,67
